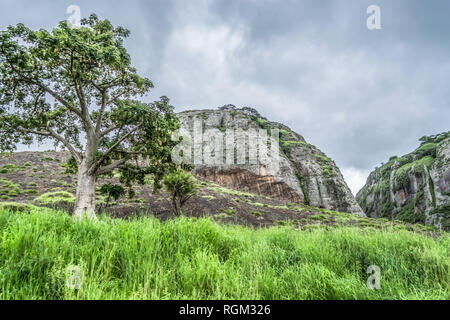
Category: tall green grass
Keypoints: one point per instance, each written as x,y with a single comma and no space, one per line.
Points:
199,259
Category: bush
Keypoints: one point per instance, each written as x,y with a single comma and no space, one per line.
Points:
7,168
51,198
111,191
17,207
181,186
427,149
8,188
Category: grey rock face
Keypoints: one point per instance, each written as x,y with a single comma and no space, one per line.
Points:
307,171
414,188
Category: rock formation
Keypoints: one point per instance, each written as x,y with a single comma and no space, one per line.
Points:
414,188
229,146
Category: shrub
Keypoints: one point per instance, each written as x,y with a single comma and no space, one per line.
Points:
9,188
229,212
8,168
111,191
17,207
256,213
427,149
51,198
181,186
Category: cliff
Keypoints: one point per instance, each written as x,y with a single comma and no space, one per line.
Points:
414,188
242,149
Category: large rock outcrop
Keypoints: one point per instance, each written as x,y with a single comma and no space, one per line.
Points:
224,145
414,188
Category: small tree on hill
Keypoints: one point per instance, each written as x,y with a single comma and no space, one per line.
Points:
181,186
111,191
76,86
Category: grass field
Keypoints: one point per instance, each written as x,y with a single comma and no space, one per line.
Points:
200,259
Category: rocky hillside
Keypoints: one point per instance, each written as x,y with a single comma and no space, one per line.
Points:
303,173
413,188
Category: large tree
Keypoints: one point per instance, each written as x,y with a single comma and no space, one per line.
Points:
77,87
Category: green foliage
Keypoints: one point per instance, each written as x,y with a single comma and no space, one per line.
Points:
401,175
52,198
223,190
16,207
256,213
9,188
286,145
70,167
322,158
262,123
181,186
229,211
387,208
7,168
444,213
199,259
410,212
435,138
303,187
427,149
111,191
79,82
252,113
327,170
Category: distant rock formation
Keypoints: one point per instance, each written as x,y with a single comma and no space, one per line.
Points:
296,172
414,188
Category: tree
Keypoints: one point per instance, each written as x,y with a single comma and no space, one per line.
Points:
113,191
76,86
181,186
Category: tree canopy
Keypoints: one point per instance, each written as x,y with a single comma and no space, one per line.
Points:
77,87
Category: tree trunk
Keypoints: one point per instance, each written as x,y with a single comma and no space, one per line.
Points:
85,196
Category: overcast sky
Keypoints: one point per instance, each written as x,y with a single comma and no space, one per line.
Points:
359,95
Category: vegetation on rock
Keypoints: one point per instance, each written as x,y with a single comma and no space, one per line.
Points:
412,188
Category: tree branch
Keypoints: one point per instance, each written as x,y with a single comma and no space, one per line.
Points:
66,143
116,164
51,133
102,110
98,163
109,130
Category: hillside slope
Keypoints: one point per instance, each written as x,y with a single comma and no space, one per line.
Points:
413,188
304,174
39,179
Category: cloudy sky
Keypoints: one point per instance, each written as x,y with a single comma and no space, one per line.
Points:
359,95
